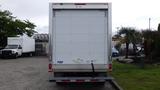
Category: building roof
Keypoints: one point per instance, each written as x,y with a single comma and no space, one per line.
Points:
41,37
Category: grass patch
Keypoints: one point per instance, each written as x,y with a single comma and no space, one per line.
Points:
132,77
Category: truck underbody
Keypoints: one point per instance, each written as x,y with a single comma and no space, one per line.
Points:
80,73
79,77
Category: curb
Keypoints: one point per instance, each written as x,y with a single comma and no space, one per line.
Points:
115,85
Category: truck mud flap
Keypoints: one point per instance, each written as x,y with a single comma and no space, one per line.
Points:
80,79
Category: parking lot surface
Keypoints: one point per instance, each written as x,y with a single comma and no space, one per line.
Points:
31,73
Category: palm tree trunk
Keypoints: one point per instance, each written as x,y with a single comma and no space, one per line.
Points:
134,49
127,50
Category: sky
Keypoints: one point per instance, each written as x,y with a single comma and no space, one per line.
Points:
125,13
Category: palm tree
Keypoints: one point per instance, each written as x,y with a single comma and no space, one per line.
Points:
130,35
136,38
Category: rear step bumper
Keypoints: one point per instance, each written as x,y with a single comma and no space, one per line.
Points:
80,79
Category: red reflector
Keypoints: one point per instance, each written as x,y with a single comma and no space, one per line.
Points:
49,66
79,80
79,4
110,67
65,80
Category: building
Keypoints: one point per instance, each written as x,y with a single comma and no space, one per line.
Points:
41,44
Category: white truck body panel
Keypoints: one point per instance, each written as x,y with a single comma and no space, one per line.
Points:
80,34
80,5
27,43
78,40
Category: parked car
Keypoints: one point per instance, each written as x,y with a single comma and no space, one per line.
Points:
115,52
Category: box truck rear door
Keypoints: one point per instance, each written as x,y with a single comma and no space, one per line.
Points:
80,36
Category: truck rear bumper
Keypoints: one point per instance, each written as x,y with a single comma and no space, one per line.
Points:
80,79
79,67
79,70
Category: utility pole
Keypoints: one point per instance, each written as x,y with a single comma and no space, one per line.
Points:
149,23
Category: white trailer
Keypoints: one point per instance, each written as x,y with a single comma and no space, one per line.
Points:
16,46
80,42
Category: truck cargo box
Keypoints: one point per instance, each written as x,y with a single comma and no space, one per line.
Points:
80,37
27,43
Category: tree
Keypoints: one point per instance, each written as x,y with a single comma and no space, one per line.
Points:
11,26
130,35
148,40
117,38
151,45
136,38
159,27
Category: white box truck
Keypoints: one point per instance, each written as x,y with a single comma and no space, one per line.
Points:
80,42
16,46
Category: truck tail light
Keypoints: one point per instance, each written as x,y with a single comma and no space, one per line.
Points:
110,67
50,67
